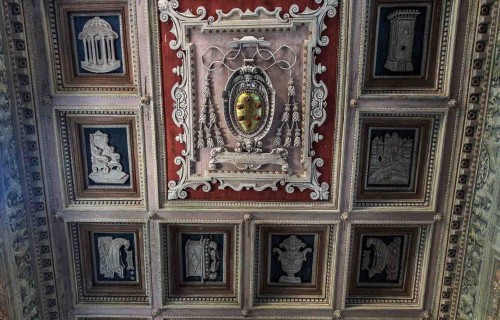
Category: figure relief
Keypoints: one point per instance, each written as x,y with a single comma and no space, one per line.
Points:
390,160
382,257
401,38
106,167
99,46
202,259
111,261
292,258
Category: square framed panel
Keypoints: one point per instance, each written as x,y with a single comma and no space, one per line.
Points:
403,52
93,43
293,263
386,264
102,155
201,262
397,156
251,123
109,262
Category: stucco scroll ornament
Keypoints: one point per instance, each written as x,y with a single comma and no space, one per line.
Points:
319,94
292,259
183,112
327,8
106,167
168,10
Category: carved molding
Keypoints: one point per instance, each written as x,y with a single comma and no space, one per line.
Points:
27,213
65,83
471,302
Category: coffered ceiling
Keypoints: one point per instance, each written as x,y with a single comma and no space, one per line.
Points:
179,159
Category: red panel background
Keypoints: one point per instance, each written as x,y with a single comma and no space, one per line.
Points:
328,58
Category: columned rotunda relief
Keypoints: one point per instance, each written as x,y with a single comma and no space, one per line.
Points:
99,46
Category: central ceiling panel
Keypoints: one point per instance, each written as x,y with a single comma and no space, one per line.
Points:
250,102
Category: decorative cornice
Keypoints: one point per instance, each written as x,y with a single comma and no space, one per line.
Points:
478,180
462,208
35,262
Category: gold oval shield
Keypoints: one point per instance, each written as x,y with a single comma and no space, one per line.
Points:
248,111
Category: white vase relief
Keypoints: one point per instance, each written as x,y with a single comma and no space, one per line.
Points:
382,257
99,46
292,259
106,167
110,257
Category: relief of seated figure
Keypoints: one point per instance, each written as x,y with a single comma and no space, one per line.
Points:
106,167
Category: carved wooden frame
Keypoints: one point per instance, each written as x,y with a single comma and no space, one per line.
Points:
87,290
319,293
78,193
175,291
430,128
66,78
413,285
432,81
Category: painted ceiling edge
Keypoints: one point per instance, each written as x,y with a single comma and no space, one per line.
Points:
31,102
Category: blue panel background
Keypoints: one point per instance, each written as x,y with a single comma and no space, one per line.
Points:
380,278
129,275
219,238
305,273
79,22
384,27
117,139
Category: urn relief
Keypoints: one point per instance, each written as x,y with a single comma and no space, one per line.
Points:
292,259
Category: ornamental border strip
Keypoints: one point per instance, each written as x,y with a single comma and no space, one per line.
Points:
18,38
482,215
487,15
